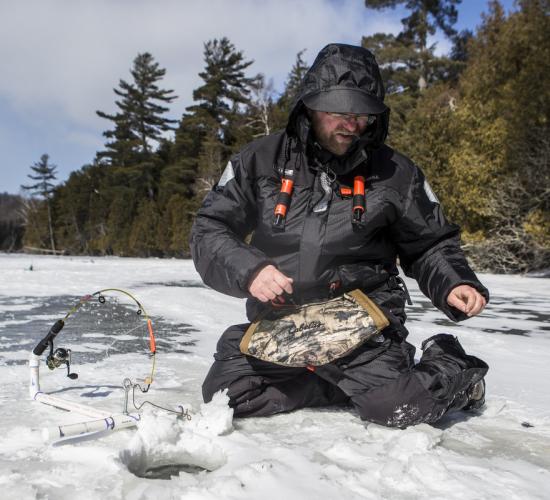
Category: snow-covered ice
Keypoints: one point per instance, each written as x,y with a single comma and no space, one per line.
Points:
503,452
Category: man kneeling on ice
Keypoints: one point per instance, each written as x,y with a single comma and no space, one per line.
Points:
330,208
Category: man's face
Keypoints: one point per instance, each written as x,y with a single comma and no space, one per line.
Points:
336,131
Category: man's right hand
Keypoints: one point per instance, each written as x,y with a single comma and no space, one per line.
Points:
268,283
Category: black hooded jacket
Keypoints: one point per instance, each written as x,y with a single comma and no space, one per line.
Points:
234,236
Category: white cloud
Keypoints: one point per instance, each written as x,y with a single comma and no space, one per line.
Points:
60,59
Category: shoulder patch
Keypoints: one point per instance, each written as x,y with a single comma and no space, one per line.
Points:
430,194
227,175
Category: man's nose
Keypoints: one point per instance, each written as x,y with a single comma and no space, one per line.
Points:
350,123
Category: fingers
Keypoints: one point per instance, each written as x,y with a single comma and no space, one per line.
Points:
269,283
467,299
470,297
455,301
478,305
283,282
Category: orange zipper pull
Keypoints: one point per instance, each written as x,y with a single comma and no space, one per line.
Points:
283,202
359,203
346,192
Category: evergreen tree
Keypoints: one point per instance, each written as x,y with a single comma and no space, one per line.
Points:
82,206
408,65
112,232
225,82
139,123
219,102
410,48
295,77
282,107
122,148
504,113
293,82
459,52
180,170
72,202
177,219
398,61
44,173
143,240
484,144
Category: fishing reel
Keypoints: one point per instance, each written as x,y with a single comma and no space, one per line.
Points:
58,358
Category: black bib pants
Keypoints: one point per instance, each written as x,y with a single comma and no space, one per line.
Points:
380,379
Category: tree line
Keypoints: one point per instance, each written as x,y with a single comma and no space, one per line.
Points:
476,121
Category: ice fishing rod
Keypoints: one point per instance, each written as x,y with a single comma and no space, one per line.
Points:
103,420
62,356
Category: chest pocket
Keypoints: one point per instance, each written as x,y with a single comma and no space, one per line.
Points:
267,197
367,240
279,241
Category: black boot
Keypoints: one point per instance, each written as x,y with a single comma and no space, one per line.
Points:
460,372
476,396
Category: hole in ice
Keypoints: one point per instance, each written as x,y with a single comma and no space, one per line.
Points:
168,471
170,462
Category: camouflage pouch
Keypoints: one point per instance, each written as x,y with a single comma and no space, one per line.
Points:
314,334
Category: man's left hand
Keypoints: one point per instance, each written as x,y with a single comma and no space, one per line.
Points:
467,299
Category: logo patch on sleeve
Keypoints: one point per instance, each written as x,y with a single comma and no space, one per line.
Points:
430,194
227,175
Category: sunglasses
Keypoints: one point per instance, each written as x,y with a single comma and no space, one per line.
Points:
360,118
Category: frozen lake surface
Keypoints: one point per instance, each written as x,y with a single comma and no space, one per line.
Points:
503,452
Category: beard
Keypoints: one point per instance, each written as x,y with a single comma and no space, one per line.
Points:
334,136
338,142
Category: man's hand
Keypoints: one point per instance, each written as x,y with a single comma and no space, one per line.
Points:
467,299
268,283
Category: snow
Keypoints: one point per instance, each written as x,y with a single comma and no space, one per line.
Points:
502,452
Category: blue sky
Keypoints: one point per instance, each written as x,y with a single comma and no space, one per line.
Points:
60,59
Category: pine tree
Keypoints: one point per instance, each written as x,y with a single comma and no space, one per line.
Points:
180,170
83,207
143,240
426,16
219,102
459,51
44,188
225,82
293,82
123,146
113,233
177,219
408,65
139,123
398,62
283,105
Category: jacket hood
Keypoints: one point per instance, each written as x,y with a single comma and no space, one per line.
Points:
342,79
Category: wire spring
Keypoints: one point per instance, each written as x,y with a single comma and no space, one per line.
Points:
128,385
